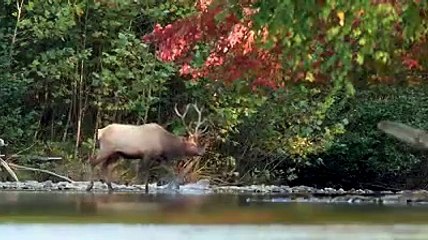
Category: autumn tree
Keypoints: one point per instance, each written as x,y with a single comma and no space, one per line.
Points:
332,46
271,42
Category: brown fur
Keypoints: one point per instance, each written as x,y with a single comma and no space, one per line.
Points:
147,142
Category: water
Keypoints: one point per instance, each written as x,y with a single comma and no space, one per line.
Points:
184,232
44,215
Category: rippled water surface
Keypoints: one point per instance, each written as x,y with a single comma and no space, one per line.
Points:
44,215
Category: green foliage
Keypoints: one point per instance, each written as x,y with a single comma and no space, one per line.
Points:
68,67
73,64
371,25
168,11
78,65
16,119
340,40
17,122
366,151
283,130
131,79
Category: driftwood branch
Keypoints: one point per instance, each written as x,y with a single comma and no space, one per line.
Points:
8,169
25,149
20,167
9,166
35,158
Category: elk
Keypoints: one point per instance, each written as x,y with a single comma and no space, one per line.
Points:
147,142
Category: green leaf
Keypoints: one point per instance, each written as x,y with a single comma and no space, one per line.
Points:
360,58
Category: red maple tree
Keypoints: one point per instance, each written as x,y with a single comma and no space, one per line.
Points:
234,53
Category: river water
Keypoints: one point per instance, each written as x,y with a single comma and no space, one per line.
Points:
59,215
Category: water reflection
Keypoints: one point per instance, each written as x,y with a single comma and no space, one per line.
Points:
204,232
135,203
191,209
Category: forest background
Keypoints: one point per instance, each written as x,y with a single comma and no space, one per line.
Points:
293,90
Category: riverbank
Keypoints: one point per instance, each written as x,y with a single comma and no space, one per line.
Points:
274,193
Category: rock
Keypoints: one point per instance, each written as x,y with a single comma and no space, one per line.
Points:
359,191
18,185
302,189
391,199
61,185
368,191
276,189
30,185
287,193
418,196
329,190
354,199
285,189
47,184
204,182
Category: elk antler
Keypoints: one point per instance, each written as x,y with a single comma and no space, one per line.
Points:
183,116
200,121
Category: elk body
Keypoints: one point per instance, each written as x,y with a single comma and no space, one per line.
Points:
147,142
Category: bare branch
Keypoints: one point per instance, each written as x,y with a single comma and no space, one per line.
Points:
40,170
18,153
8,169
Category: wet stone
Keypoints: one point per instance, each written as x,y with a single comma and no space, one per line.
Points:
304,189
19,185
47,184
285,189
391,199
287,193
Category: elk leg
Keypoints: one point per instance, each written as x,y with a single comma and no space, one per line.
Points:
142,172
92,175
146,176
145,163
106,173
146,166
139,168
91,181
107,168
101,157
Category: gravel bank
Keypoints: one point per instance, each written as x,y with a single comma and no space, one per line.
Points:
257,193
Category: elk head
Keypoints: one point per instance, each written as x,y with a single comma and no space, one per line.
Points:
193,134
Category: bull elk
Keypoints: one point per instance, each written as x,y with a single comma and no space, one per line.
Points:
147,142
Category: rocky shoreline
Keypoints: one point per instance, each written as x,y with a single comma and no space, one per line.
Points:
257,193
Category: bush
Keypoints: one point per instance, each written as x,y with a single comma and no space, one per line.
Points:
363,154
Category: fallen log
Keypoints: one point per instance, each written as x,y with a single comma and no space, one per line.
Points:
6,166
33,158
9,166
20,167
